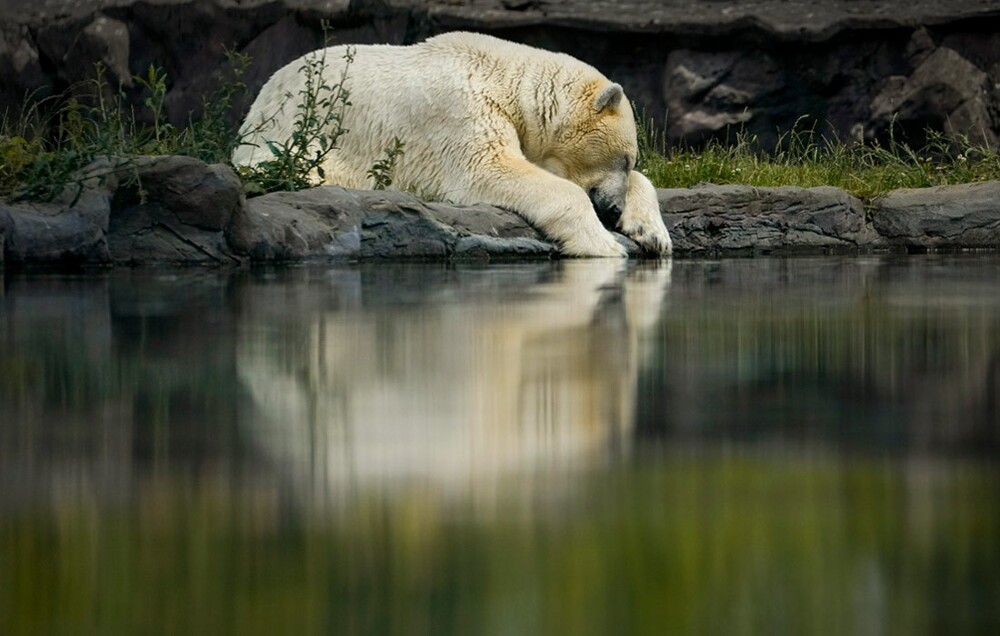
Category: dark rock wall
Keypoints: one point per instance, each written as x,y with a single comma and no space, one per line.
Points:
697,68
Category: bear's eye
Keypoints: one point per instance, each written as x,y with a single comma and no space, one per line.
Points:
624,164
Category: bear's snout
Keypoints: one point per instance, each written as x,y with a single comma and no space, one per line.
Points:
609,208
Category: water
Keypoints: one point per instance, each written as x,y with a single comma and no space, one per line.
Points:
758,446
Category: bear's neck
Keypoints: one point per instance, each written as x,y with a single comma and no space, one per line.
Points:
545,102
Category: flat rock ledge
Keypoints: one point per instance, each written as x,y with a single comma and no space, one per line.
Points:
942,217
733,219
178,210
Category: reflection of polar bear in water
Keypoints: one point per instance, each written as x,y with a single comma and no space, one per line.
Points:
457,391
483,121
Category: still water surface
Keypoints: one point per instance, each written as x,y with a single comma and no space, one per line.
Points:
765,446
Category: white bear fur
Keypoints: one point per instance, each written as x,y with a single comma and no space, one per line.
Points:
483,120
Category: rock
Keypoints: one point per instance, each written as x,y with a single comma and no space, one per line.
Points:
405,227
982,48
484,220
154,210
275,46
175,212
960,216
20,68
920,46
707,91
406,233
318,223
331,222
945,92
743,219
178,210
494,248
106,41
188,42
75,53
66,231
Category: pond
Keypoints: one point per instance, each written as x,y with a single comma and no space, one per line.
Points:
744,446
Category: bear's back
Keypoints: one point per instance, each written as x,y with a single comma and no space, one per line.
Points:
481,46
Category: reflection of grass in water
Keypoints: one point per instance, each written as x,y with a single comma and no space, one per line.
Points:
686,545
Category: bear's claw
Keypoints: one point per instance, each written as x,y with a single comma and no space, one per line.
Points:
652,240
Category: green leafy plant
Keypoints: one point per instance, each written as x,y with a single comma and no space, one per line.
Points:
297,162
381,171
163,133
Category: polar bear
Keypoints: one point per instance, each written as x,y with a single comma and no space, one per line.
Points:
482,120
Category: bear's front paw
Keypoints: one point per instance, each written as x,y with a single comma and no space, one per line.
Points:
600,244
642,221
652,237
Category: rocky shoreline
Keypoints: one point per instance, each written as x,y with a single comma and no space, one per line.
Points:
190,213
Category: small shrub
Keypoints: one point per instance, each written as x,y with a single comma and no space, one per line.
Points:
319,122
162,136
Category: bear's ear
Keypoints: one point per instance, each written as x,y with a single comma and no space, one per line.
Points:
609,97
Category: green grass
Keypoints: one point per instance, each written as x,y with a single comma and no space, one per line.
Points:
44,149
803,158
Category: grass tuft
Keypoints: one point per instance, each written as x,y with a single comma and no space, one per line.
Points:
803,158
46,148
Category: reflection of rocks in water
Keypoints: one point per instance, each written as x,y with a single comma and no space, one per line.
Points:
894,355
528,372
105,377
54,337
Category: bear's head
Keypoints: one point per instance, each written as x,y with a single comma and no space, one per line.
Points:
597,148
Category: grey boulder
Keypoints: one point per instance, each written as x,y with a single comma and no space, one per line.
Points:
174,210
958,216
733,218
68,230
331,222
